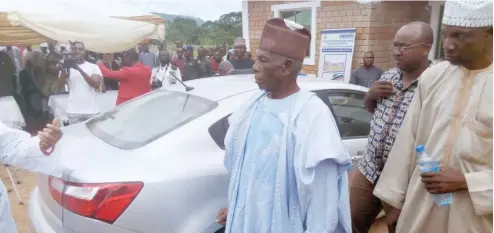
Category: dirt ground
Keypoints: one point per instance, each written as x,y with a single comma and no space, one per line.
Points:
20,212
28,182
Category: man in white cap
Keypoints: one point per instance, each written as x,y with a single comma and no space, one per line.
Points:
239,61
287,164
451,115
44,48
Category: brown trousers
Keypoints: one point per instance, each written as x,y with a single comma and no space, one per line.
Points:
364,206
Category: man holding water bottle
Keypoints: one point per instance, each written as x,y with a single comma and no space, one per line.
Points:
388,99
451,116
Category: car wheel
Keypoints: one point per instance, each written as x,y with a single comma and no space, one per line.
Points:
222,230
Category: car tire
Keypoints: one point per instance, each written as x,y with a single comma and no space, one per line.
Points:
222,230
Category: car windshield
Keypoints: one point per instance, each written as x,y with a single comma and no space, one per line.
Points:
138,122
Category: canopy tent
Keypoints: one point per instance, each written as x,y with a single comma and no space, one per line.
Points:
103,29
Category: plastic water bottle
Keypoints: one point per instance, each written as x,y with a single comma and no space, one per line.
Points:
428,164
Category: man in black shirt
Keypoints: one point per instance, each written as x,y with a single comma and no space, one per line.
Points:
239,62
191,67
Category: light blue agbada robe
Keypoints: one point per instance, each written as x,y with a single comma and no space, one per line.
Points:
18,148
287,166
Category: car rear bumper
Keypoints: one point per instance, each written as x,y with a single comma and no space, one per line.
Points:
42,220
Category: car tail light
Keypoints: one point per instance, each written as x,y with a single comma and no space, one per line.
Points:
104,202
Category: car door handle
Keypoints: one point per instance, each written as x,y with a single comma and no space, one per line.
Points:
356,158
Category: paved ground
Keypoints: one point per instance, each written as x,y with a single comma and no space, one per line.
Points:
29,181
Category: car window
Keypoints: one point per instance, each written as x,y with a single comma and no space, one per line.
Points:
350,113
218,131
140,121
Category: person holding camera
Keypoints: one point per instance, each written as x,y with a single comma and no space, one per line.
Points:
83,79
134,76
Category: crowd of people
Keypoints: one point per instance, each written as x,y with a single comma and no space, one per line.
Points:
287,165
38,74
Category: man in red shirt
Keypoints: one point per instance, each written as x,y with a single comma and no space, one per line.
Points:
134,76
179,59
215,62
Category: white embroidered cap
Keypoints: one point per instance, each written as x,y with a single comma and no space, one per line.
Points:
468,13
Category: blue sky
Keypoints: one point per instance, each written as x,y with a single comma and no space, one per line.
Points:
204,9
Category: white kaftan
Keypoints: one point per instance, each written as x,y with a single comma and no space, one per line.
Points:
18,148
451,115
288,168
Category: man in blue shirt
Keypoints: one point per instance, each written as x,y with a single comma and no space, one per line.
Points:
147,57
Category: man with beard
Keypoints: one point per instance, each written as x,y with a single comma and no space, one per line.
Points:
287,164
134,77
204,63
451,116
166,73
388,99
239,61
83,79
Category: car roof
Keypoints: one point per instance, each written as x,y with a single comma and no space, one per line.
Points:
218,88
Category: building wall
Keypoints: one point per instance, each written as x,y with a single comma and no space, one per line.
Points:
376,25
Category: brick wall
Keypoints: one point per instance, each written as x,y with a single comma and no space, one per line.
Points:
376,25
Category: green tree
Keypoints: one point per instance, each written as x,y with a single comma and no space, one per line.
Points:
222,31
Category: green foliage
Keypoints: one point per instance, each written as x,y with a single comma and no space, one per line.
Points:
222,31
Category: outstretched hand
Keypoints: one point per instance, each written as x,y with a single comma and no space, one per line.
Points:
50,135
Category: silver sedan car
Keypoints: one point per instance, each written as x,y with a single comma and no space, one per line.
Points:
155,164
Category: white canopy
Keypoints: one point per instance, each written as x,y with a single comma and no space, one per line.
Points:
105,28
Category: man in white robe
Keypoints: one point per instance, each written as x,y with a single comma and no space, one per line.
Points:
451,115
18,148
287,165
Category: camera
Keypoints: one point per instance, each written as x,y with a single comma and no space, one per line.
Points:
68,60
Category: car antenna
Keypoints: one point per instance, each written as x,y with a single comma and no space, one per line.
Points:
187,88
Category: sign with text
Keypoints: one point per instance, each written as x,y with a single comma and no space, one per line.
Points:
336,54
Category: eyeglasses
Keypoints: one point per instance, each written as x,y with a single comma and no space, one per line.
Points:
404,48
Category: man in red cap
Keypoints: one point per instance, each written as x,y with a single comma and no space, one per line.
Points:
287,165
